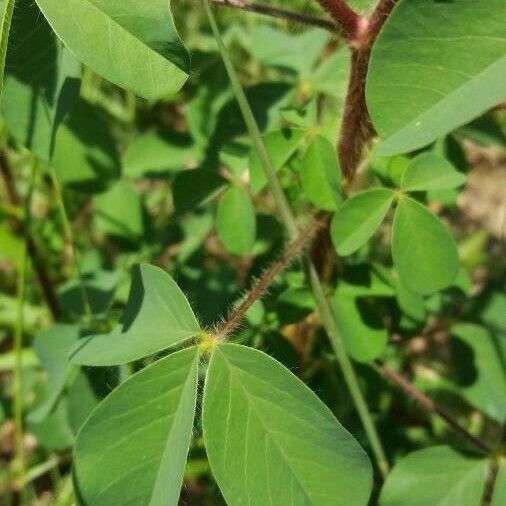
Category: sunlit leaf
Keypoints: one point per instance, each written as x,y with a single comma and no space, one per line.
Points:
156,317
423,250
438,476
133,448
430,171
135,45
271,441
236,221
358,218
435,66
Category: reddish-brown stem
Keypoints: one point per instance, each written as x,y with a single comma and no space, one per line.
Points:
343,15
379,16
276,12
45,283
263,284
429,405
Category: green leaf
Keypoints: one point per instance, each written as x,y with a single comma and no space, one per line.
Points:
281,146
6,12
135,45
158,152
118,212
358,218
435,66
271,441
193,188
411,303
236,221
85,151
157,316
430,171
499,494
436,476
487,390
320,175
41,81
423,250
276,48
53,346
132,450
361,324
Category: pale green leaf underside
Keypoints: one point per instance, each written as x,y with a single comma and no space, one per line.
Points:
132,450
157,317
423,250
271,441
436,476
430,171
132,44
435,66
236,221
358,218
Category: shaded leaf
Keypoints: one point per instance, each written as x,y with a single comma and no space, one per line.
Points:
41,82
423,250
135,45
133,448
358,218
434,68
157,316
236,221
271,441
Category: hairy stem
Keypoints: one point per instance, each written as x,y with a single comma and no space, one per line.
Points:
276,12
343,15
263,284
292,229
44,281
429,405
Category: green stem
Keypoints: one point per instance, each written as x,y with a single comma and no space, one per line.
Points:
291,226
5,30
69,237
18,345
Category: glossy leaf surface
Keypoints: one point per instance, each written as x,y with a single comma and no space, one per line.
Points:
157,316
133,448
271,441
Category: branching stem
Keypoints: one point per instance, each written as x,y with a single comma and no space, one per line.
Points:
429,405
276,12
